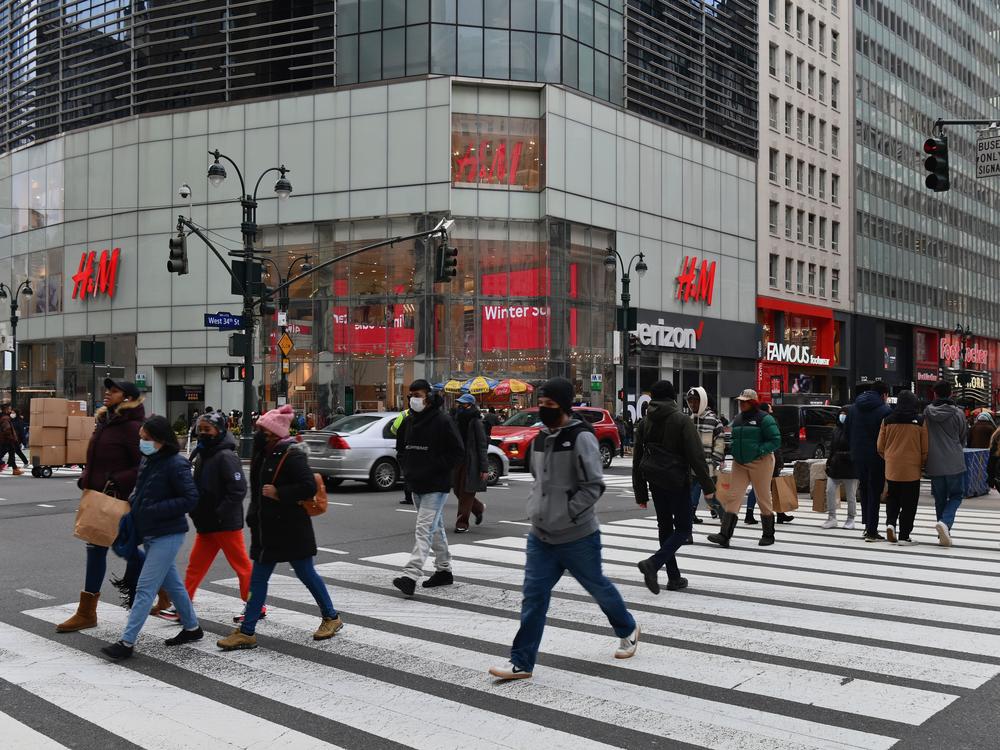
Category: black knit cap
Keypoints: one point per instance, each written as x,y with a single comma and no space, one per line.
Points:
559,390
420,385
663,390
159,430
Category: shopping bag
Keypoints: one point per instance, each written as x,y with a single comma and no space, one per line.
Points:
819,496
784,496
98,517
725,493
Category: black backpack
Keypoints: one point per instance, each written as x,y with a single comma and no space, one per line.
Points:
660,465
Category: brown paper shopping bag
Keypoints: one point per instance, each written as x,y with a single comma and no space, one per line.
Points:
784,496
97,518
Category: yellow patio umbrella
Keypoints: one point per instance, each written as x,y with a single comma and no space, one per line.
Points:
479,385
453,386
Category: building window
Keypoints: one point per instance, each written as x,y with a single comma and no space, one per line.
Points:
799,120
772,60
772,165
812,229
810,26
788,17
835,283
772,217
800,175
812,180
497,151
812,278
822,281
835,93
772,11
834,45
772,112
789,211
835,188
800,220
822,233
822,34
772,271
835,140
811,81
788,68
800,270
789,109
822,184
788,274
811,130
822,87
800,66
822,136
835,236
789,161
800,17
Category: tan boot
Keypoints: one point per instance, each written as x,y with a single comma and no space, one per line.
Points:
328,628
162,603
85,617
17,472
236,640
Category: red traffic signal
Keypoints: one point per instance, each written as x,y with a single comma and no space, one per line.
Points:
936,163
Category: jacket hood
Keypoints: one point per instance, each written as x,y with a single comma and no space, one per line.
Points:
942,411
702,400
660,410
130,409
984,417
869,401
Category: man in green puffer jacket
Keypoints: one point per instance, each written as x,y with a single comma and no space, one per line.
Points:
755,439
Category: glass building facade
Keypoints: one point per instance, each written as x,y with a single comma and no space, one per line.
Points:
925,258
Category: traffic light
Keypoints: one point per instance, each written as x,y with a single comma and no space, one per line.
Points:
445,263
178,262
228,373
267,306
242,373
936,163
633,344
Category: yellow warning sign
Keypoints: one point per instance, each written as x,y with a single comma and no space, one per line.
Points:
285,344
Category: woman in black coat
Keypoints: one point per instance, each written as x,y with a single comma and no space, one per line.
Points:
470,476
280,528
840,471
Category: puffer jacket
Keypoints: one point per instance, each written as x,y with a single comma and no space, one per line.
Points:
839,464
864,420
946,434
902,443
281,530
222,487
666,425
476,449
164,494
113,452
755,435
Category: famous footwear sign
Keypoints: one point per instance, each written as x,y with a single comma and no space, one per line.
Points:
793,354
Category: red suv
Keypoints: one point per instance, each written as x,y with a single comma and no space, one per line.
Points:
514,436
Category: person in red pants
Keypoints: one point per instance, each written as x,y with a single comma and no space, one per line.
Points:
218,517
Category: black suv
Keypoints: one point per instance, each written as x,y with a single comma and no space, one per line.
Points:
806,431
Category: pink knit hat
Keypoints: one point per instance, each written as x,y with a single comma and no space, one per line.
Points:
277,420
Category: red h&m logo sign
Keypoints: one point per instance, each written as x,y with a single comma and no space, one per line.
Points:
95,275
471,167
694,283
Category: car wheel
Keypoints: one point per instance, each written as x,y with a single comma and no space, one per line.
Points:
607,454
384,474
820,452
332,482
495,471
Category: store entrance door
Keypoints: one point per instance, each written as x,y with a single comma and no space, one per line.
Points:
182,400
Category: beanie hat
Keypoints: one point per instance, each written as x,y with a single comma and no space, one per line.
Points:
420,385
160,431
216,419
277,420
663,389
559,390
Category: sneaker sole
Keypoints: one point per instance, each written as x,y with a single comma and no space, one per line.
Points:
508,677
944,538
638,635
890,535
241,647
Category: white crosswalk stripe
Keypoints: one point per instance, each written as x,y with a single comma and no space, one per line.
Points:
820,642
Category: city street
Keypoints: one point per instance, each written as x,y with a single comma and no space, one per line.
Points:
820,641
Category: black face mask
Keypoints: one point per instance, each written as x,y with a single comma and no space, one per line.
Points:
551,416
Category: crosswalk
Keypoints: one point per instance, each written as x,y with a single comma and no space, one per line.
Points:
820,642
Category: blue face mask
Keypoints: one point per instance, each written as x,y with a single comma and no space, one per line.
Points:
147,447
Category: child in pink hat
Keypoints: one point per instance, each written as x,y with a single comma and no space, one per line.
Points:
277,421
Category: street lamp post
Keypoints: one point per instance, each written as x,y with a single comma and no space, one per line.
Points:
283,303
610,265
248,228
23,289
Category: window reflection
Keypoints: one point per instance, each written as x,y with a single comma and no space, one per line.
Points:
495,151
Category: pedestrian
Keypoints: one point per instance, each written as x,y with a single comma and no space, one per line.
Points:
864,420
9,439
755,439
946,434
21,431
620,424
982,430
164,494
492,419
902,442
112,465
993,463
779,464
565,532
669,448
840,474
396,424
218,517
428,449
713,442
471,474
280,529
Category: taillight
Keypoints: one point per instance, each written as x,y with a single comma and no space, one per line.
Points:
802,434
338,443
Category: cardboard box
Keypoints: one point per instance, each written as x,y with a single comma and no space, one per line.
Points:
76,408
41,436
784,496
79,428
76,451
49,455
48,412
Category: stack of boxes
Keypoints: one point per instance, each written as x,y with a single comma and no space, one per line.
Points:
60,432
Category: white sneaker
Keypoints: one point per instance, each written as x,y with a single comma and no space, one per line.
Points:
890,534
627,646
944,536
849,524
830,523
509,671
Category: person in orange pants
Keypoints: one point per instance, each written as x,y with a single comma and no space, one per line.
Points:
218,517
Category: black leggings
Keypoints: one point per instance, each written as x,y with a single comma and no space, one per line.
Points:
11,451
902,504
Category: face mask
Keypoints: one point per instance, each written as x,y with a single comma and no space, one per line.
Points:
843,418
551,416
147,447
417,404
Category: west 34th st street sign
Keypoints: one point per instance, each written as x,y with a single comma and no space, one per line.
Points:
988,153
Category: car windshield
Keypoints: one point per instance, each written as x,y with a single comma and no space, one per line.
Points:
523,419
334,424
354,423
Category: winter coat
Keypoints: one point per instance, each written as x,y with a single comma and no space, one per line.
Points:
839,464
281,530
981,432
476,447
755,435
428,448
8,435
946,434
19,428
902,443
666,425
569,480
222,487
164,493
113,453
711,433
864,420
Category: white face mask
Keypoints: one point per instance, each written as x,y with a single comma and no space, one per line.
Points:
417,403
843,418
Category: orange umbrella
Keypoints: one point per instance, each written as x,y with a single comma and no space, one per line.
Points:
512,385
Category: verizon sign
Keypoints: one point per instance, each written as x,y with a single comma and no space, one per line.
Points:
793,354
670,337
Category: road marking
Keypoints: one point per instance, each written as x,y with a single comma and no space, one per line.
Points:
35,594
516,523
405,510
45,505
333,551
346,505
16,734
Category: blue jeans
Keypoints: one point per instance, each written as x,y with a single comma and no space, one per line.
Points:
948,491
543,568
261,574
97,568
428,535
751,500
159,572
673,523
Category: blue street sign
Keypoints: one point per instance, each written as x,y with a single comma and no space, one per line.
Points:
223,321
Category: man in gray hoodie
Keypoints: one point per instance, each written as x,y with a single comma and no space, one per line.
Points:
569,480
946,435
